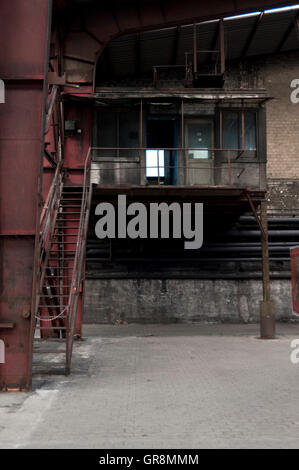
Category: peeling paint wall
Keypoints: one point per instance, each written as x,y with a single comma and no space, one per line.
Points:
155,300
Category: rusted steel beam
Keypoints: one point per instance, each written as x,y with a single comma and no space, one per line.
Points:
286,35
253,209
222,45
267,312
252,34
24,59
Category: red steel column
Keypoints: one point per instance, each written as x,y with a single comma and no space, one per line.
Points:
24,42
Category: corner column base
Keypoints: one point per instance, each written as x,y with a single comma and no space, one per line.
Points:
267,319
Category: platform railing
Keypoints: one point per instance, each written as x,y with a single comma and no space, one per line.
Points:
232,163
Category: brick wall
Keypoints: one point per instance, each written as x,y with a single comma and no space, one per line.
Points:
274,73
282,116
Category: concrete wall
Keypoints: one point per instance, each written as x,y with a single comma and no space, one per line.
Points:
154,300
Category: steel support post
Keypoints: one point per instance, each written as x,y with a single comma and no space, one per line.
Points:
23,67
267,313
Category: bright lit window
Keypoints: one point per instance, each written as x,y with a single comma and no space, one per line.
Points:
155,163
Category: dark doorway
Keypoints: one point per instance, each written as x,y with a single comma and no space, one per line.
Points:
160,162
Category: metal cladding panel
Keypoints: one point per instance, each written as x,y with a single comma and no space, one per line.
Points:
16,260
76,147
19,164
295,278
23,39
19,180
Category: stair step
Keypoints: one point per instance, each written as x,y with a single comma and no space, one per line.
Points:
54,340
58,286
51,351
51,296
56,277
64,251
64,243
52,306
72,192
51,327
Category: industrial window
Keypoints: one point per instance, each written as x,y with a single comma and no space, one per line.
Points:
155,163
239,129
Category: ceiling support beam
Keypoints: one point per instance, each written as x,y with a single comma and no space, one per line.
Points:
176,41
252,34
222,45
138,54
285,36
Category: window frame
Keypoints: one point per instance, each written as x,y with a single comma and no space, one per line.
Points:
241,127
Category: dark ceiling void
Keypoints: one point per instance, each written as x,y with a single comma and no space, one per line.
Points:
135,55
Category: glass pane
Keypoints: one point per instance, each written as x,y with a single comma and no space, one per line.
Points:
250,130
155,163
199,136
231,130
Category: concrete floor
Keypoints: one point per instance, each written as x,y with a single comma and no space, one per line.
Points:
163,386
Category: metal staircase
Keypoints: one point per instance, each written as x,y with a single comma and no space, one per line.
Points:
63,230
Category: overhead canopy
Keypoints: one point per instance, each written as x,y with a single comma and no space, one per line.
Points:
104,96
246,36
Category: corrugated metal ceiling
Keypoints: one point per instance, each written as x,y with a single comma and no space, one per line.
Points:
134,53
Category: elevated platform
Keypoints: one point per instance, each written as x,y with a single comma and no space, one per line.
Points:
216,199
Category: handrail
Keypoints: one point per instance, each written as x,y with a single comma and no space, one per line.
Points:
47,226
79,257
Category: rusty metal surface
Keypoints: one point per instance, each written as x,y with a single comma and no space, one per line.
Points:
23,31
104,22
295,278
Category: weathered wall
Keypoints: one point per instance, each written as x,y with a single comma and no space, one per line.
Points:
275,73
153,300
282,116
